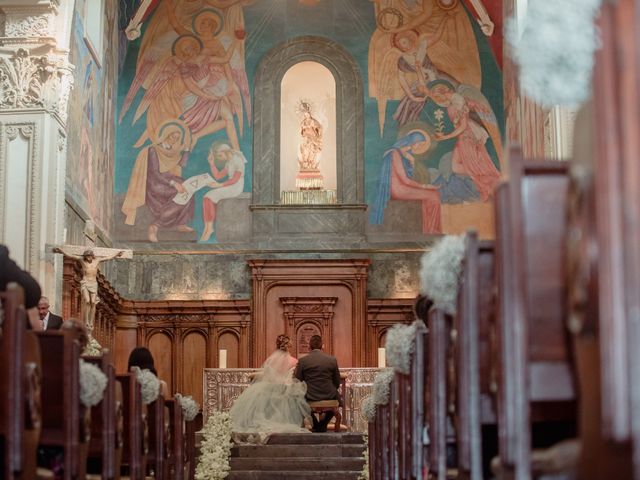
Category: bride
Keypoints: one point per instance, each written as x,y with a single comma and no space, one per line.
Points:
275,402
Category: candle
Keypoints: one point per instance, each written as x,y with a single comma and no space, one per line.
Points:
382,359
222,359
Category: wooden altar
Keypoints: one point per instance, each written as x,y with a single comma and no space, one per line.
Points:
223,385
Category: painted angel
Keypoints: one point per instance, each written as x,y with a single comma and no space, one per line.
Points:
451,44
222,73
474,125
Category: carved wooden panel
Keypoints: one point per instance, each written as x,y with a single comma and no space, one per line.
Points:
382,314
308,316
223,386
344,280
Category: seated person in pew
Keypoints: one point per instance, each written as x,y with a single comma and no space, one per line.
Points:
142,358
11,272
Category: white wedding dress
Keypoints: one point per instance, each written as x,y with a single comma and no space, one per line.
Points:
275,402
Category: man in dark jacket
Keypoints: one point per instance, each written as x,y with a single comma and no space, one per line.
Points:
320,372
50,321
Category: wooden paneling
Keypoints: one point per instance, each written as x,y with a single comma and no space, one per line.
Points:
161,347
194,346
345,280
229,341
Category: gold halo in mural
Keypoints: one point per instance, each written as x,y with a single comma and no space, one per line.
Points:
204,18
185,41
390,19
447,4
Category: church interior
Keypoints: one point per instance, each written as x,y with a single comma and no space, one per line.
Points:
437,189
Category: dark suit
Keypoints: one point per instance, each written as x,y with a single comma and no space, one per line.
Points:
54,322
320,372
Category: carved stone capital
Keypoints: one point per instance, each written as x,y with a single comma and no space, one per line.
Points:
35,82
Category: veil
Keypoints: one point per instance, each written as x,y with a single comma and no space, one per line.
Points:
278,368
274,403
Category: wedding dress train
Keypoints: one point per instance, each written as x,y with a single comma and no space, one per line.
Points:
275,402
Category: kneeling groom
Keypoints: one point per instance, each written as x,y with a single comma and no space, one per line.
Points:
320,372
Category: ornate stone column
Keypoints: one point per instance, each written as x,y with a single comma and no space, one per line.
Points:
35,81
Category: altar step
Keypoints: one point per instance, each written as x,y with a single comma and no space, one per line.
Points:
299,456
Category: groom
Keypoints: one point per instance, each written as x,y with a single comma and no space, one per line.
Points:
320,372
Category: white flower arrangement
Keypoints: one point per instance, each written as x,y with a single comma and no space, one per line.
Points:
92,384
399,347
190,407
368,408
440,272
364,475
555,50
93,348
149,383
381,386
215,448
380,393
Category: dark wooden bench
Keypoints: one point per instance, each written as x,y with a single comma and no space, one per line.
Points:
175,463
474,373
439,351
158,435
65,421
105,448
535,370
20,386
134,416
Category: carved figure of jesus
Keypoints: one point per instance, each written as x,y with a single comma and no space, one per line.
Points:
89,284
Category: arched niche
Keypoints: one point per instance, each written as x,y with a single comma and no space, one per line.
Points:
270,218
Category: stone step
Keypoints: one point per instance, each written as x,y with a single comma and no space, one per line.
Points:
309,450
300,464
315,438
292,475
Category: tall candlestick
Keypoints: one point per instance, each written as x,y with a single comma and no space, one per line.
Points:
222,359
382,359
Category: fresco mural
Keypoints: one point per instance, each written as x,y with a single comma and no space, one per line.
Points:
424,58
92,105
433,114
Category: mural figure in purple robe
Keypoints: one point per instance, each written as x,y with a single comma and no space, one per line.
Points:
156,180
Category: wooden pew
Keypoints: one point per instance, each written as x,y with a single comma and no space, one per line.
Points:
105,447
65,421
535,369
20,386
605,270
472,346
438,345
156,457
175,464
191,428
134,416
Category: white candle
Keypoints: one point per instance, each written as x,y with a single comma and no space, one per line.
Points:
382,359
222,359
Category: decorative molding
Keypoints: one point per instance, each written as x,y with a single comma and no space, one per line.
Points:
28,131
35,82
28,26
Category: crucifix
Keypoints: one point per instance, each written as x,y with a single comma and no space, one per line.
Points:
89,259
